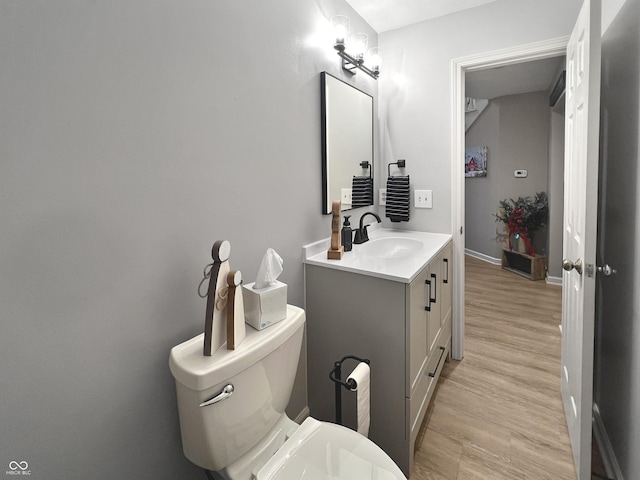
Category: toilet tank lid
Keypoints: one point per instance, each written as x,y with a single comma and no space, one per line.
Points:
197,372
319,450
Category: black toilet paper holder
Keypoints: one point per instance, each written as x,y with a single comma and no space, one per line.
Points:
336,376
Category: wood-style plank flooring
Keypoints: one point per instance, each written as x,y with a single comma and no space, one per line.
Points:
497,414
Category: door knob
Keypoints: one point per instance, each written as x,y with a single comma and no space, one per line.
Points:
606,270
568,265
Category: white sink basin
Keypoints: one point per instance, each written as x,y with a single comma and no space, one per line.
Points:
396,255
390,247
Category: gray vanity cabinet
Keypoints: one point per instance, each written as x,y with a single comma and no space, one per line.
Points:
405,331
428,336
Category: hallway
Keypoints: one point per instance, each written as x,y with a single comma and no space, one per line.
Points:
498,414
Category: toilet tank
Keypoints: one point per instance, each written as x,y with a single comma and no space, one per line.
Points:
261,369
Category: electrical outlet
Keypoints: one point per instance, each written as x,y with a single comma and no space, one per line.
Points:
423,198
382,196
345,196
520,174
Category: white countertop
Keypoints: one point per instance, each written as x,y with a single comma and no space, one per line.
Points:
396,269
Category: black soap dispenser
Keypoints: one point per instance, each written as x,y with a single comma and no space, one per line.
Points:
347,239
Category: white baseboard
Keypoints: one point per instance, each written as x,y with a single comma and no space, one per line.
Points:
606,450
482,256
302,415
554,280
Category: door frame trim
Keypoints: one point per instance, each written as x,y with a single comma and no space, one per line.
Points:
554,47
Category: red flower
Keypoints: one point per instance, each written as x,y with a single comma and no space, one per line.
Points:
515,226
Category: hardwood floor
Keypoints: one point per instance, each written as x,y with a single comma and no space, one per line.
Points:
497,414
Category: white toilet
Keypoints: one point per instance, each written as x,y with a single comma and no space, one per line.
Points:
231,407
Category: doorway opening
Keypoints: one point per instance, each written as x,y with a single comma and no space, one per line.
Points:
460,68
514,123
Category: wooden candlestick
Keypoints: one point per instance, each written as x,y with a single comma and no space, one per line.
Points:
235,311
336,251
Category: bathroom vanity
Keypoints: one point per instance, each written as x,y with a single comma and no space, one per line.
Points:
389,300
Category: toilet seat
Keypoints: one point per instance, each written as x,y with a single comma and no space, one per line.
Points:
320,450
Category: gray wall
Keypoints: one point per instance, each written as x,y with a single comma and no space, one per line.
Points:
515,128
415,88
133,135
617,353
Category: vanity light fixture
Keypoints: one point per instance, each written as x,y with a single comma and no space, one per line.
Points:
354,54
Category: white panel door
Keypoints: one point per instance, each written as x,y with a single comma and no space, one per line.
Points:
580,222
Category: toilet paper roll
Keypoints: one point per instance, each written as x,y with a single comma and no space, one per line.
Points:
360,375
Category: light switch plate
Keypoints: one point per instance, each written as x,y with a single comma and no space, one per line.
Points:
382,196
423,198
520,174
345,196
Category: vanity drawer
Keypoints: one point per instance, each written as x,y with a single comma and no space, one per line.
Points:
417,406
438,353
419,401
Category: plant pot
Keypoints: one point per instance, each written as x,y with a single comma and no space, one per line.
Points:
518,243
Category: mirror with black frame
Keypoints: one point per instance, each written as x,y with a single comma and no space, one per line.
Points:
347,145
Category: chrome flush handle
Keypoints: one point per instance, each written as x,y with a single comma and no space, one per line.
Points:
226,392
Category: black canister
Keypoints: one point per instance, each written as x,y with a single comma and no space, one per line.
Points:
347,241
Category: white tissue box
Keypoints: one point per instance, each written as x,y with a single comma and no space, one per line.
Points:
264,306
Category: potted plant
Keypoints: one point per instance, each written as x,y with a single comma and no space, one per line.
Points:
523,217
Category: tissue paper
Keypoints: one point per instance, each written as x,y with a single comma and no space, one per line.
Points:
270,269
265,300
360,375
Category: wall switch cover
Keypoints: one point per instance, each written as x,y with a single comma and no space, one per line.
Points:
382,196
345,196
423,198
520,174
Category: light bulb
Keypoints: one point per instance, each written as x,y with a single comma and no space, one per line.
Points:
340,26
358,45
373,59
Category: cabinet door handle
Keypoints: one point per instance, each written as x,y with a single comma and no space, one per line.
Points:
435,289
428,306
442,350
446,280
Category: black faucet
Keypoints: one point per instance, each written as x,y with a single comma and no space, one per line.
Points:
361,233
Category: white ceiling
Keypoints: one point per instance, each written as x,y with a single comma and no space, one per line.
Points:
385,15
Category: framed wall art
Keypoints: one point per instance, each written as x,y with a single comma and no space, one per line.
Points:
475,162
